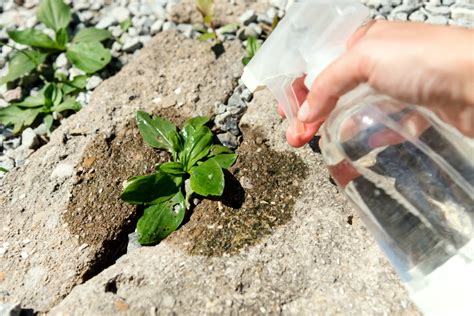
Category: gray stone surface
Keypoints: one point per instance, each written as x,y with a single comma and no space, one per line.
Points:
36,197
316,264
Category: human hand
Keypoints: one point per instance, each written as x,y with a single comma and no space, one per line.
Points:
416,63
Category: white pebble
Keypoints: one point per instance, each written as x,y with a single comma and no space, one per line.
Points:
63,170
120,13
93,82
156,27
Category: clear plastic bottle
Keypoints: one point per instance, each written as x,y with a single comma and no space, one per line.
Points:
412,178
410,175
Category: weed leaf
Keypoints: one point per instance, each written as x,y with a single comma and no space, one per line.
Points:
190,125
34,38
205,7
48,122
53,95
62,38
31,101
68,104
219,149
154,131
22,63
55,14
253,45
225,160
89,56
206,36
172,168
230,28
160,220
207,178
150,189
91,34
125,25
13,115
197,146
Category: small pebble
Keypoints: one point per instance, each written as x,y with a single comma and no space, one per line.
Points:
29,139
156,27
106,21
93,82
61,61
75,72
63,170
168,25
120,13
131,45
13,95
248,17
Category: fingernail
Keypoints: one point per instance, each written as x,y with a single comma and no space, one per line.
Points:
304,112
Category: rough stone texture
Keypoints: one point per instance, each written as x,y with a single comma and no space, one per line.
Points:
320,261
225,12
42,256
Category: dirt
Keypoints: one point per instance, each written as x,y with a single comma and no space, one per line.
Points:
224,12
251,206
95,213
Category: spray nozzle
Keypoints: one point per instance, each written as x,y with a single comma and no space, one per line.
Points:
312,34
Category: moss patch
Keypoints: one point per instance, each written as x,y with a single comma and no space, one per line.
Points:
252,207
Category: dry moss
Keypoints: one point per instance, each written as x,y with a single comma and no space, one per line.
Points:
261,190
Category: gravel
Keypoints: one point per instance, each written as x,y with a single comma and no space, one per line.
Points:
248,17
29,139
148,18
93,82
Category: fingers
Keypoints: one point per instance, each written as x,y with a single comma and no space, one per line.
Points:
298,140
360,33
340,77
300,91
280,110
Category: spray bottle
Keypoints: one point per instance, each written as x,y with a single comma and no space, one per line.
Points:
416,196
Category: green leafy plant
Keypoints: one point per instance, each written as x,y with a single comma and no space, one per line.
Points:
85,51
3,170
206,8
196,167
253,46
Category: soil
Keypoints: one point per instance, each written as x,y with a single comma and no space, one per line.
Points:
251,206
95,213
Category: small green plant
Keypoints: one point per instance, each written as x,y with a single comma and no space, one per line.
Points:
126,24
85,51
3,170
206,8
253,46
196,168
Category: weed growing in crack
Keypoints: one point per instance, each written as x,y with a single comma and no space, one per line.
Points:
196,168
206,8
209,31
85,51
253,45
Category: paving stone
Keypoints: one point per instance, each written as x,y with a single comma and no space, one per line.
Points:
36,205
313,264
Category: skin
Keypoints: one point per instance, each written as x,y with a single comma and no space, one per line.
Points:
417,63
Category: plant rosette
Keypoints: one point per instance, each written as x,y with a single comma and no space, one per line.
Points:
164,193
85,51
